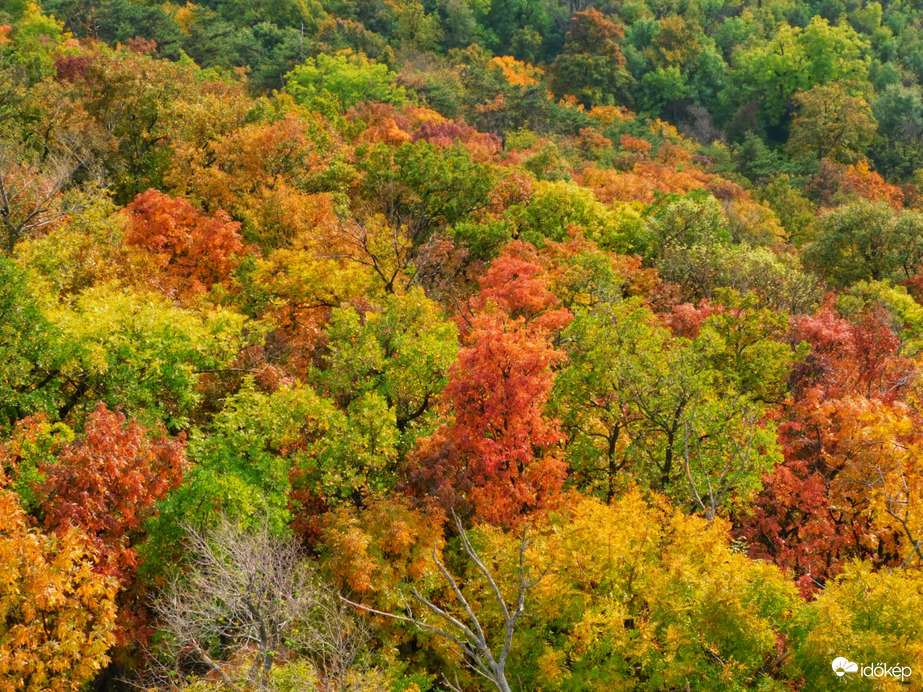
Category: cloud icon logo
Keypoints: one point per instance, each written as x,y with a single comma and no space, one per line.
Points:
841,666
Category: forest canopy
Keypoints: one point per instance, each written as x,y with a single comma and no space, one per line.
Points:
460,345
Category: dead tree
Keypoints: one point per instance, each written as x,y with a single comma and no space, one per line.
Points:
332,639
465,632
243,594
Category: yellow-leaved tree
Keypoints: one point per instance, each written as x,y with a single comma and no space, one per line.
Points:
57,615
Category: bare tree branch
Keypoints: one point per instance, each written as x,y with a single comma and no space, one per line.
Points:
243,594
472,642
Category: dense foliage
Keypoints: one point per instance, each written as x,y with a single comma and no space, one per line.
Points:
456,345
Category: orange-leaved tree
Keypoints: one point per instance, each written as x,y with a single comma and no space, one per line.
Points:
191,251
57,614
498,453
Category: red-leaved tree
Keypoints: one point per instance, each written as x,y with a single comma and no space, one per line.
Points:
108,482
192,251
811,518
498,455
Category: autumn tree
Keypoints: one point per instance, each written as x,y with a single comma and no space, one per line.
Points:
108,483
190,250
832,121
370,553
270,176
83,250
874,616
591,64
498,454
884,464
378,246
57,612
497,390
485,654
295,288
31,194
631,595
145,105
811,517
